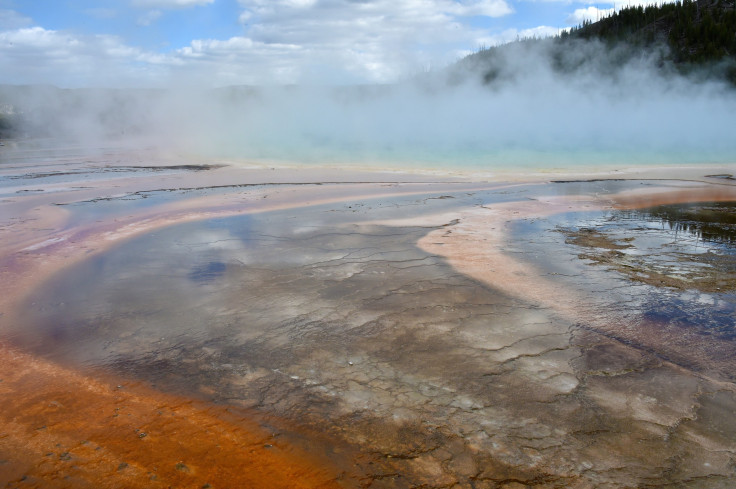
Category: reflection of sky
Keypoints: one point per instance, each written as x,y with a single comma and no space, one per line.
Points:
210,242
658,244
208,272
174,280
701,312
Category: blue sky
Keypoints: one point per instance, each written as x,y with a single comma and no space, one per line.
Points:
141,43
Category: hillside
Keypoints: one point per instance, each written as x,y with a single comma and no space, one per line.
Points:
695,31
694,38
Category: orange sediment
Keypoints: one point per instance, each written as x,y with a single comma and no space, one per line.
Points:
63,428
59,428
649,197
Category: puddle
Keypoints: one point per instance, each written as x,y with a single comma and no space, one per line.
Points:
685,247
670,271
709,222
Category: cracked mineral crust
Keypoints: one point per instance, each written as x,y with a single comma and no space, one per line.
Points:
421,330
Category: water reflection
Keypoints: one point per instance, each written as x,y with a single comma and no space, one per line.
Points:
668,271
207,273
714,221
323,317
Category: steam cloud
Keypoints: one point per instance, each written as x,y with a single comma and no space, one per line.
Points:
528,104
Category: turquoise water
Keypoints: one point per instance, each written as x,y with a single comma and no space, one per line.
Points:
473,159
536,123
550,123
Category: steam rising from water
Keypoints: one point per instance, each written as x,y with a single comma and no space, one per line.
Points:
530,104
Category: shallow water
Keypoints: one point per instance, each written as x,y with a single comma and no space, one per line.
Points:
674,265
324,317
168,269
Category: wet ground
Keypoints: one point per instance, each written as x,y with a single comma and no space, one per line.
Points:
594,348
686,246
677,265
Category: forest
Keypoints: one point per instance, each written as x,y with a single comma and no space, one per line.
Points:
695,31
696,39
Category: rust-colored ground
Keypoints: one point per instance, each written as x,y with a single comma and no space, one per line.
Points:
667,196
59,429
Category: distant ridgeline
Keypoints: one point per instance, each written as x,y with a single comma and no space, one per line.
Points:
691,37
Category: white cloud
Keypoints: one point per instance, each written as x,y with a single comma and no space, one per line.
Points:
284,41
592,14
378,40
619,4
488,8
170,4
149,17
391,9
38,55
10,19
238,60
509,35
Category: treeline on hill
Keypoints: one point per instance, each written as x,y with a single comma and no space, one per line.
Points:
696,32
696,38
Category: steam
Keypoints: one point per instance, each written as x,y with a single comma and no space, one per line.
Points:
532,104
